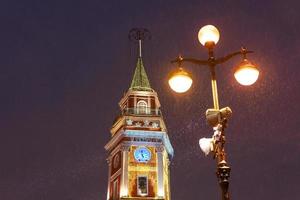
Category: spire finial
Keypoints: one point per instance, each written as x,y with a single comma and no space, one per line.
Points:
139,34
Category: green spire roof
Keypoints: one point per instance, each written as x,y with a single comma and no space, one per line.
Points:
140,80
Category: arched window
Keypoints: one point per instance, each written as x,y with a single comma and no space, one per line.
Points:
142,107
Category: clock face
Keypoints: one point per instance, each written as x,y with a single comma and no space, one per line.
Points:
142,154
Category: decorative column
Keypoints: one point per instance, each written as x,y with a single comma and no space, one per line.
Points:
108,160
124,178
160,172
134,101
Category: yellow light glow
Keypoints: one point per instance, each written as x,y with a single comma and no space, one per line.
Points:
246,73
123,192
180,81
161,192
208,33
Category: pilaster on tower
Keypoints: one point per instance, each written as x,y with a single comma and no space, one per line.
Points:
139,148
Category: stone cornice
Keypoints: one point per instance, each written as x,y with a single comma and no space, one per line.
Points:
142,134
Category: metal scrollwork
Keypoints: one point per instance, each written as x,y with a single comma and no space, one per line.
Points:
137,34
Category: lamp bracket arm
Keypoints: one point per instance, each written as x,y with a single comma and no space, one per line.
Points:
191,60
229,56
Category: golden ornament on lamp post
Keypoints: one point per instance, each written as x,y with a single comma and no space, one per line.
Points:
180,81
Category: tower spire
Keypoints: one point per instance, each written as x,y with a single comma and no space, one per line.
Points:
140,79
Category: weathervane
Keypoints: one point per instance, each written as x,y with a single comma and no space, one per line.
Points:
139,34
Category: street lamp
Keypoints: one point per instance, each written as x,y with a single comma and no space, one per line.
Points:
180,81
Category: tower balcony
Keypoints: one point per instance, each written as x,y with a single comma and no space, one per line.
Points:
144,111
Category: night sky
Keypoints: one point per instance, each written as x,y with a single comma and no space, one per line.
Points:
64,66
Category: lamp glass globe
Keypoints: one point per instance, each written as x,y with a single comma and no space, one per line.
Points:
208,33
180,81
246,73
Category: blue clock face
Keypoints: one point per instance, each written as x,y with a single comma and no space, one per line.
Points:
142,154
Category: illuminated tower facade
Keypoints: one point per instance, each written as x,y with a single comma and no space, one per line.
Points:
139,148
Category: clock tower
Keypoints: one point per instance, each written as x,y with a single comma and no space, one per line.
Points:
139,148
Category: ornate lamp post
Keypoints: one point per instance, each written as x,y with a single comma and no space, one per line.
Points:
180,81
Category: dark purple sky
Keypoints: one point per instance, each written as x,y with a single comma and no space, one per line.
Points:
65,66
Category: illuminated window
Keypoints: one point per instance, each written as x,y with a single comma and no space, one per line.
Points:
115,190
142,107
142,185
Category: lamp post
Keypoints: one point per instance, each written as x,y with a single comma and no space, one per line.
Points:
180,81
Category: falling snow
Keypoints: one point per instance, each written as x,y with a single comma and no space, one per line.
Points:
64,68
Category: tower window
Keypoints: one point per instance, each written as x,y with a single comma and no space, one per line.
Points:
141,107
142,185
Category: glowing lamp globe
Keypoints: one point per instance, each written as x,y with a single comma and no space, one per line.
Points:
246,73
208,34
180,81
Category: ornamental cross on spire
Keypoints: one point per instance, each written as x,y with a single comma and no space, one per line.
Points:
139,35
